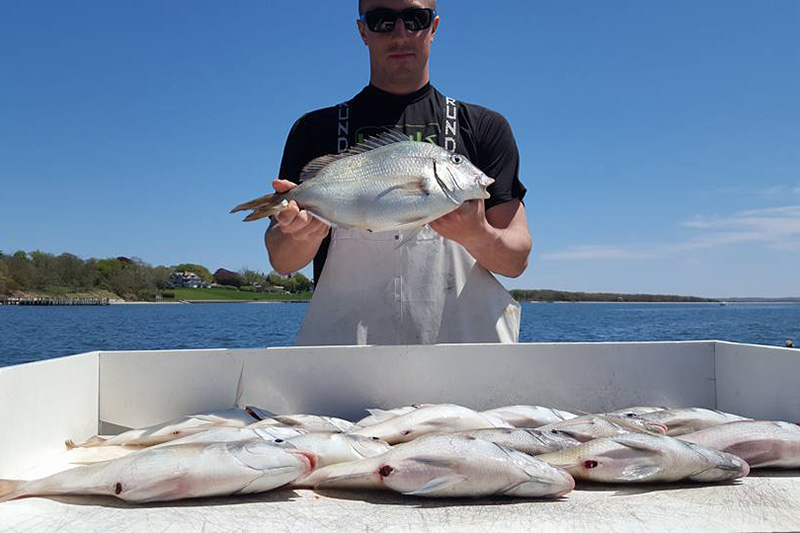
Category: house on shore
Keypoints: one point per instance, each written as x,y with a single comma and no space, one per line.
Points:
186,280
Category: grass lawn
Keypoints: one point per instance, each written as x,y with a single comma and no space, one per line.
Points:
227,294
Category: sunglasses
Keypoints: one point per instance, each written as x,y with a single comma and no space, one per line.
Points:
382,20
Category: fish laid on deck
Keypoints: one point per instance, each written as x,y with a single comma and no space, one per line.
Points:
449,466
763,444
643,458
690,419
176,472
531,416
587,427
430,419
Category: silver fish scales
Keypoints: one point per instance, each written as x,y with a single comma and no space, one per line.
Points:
386,183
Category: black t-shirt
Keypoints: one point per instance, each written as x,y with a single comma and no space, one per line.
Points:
483,136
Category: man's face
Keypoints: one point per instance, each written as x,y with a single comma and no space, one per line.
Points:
398,55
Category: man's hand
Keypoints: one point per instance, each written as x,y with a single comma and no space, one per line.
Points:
498,239
294,236
298,223
467,225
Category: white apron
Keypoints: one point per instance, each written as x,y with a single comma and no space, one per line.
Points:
427,291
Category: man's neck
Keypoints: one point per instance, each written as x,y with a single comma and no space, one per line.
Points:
400,88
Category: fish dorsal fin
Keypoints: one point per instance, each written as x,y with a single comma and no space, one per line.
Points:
390,136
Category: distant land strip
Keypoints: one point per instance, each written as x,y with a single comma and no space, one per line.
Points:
549,295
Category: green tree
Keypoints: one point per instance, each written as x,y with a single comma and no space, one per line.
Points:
21,271
252,277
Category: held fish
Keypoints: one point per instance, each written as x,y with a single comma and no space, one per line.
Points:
763,444
385,183
449,466
441,418
531,416
175,472
642,458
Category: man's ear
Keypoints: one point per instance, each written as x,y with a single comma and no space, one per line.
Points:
362,30
435,25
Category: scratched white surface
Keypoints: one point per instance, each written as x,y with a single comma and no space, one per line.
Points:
145,387
755,504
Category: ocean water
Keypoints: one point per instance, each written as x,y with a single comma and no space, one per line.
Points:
36,333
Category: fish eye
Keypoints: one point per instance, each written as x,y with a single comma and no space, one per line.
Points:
456,159
407,432
375,438
278,441
589,463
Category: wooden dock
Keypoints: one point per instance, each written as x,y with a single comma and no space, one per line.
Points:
53,300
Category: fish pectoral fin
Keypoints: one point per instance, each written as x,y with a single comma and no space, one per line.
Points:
437,462
640,472
437,484
408,237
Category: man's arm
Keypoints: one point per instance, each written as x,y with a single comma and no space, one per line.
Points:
498,239
294,236
494,232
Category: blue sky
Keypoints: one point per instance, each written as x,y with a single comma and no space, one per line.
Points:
659,141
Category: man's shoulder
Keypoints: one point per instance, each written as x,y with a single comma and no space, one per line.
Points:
319,116
482,115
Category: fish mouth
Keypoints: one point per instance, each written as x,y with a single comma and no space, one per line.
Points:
309,459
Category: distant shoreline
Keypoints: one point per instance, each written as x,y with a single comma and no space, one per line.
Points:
719,304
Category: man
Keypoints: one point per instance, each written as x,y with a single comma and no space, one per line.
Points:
435,288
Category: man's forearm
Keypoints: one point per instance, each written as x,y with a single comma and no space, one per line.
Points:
287,254
502,251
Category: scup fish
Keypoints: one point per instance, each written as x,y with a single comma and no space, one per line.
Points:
308,423
332,448
443,418
530,416
642,458
760,443
636,411
381,415
233,434
448,466
587,427
385,183
175,472
215,434
690,419
527,440
173,429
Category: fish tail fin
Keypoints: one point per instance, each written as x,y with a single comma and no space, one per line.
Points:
90,443
263,206
10,489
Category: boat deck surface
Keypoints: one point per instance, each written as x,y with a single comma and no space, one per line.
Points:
764,501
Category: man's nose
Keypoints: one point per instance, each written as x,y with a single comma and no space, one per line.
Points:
400,29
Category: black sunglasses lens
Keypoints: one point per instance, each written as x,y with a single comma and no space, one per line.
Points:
417,19
382,20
